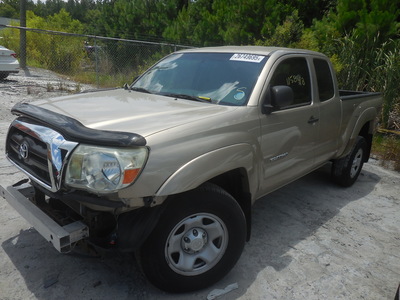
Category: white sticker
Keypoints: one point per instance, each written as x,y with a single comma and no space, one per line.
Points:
247,57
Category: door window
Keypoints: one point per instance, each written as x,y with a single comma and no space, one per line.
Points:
293,72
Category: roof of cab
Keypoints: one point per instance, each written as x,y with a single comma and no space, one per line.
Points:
260,50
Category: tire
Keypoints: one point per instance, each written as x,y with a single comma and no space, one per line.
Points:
197,241
346,170
3,75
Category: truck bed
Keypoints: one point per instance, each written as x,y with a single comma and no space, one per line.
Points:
349,95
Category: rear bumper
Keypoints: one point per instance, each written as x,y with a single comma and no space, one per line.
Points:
9,67
61,237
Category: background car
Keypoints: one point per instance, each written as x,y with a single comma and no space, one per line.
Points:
8,62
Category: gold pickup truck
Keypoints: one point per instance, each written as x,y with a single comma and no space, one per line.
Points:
169,167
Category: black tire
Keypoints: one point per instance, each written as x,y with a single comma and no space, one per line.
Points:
197,241
346,170
3,75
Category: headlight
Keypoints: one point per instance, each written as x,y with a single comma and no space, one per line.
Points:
104,170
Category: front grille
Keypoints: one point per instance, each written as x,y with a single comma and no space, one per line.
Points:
38,151
36,161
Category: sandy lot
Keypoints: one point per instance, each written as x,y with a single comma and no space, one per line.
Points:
310,239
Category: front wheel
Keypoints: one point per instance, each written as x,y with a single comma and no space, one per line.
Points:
197,241
345,170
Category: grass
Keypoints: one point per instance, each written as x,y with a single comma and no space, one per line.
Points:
386,147
103,80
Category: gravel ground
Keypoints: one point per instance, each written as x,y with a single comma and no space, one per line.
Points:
310,239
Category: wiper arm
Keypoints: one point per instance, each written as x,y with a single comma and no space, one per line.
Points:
139,89
188,97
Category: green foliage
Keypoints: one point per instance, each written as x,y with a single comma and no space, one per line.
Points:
386,147
368,17
10,38
195,25
288,34
131,19
54,52
361,37
205,22
371,66
372,21
7,10
387,76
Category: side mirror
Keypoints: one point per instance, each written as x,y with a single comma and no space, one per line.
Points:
280,96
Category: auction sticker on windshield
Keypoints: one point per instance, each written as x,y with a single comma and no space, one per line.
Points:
247,57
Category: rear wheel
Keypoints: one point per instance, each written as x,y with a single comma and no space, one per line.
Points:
3,75
346,170
198,240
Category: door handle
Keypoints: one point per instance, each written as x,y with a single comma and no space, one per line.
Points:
313,120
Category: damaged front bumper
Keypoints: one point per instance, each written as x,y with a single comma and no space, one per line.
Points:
61,237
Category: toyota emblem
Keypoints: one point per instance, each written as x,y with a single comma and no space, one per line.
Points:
24,150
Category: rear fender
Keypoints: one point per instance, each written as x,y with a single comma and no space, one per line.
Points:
367,116
209,165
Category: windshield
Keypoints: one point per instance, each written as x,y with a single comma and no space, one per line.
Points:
221,78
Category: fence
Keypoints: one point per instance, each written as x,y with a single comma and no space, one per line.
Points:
86,58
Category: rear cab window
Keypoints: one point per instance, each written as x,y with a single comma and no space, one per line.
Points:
325,85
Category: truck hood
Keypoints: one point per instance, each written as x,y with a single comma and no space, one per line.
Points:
123,110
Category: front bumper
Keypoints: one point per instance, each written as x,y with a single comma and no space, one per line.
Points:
61,237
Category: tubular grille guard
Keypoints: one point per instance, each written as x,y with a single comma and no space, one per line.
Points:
38,151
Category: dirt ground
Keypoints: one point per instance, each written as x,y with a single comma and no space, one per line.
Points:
310,239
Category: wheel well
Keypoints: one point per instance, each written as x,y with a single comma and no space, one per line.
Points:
366,132
236,183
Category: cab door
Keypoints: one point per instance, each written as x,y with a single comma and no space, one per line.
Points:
330,111
288,135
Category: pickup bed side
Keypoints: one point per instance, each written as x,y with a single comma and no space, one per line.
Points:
360,110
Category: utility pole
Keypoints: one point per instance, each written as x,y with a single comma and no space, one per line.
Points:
22,35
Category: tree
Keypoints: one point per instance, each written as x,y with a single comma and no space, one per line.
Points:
9,9
288,34
361,37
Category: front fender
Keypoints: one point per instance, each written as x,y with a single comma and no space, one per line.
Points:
210,165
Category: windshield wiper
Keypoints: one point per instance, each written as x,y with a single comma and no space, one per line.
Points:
139,89
188,97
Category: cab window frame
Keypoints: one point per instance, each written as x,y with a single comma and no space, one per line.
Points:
293,78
